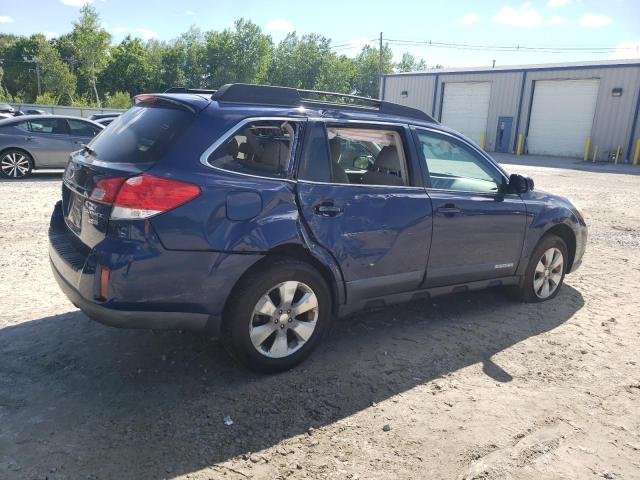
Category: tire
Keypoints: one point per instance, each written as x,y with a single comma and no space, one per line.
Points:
545,273
15,164
260,326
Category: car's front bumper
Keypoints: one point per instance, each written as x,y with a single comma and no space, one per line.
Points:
581,233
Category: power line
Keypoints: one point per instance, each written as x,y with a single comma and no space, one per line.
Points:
512,48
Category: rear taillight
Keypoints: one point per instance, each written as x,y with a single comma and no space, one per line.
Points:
145,195
106,189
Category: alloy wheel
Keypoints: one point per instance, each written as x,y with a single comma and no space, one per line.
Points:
548,273
15,165
284,319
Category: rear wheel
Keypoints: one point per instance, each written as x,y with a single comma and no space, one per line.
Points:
278,315
15,164
545,272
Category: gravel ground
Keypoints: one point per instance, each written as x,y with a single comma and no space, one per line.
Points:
466,386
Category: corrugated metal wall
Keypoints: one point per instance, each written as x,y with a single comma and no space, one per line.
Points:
419,91
613,118
614,115
505,89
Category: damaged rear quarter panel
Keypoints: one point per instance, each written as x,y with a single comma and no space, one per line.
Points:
235,214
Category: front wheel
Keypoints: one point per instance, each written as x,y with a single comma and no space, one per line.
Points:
545,272
278,315
15,164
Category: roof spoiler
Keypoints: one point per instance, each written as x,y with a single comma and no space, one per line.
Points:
292,97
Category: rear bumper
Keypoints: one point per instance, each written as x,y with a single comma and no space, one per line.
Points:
197,322
148,287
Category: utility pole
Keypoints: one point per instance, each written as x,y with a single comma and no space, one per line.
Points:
35,61
380,68
38,75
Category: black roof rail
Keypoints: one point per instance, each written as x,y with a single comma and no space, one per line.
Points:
293,97
189,90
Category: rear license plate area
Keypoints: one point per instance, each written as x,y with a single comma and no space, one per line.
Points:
73,216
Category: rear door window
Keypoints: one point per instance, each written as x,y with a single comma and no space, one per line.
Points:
49,125
258,148
79,128
368,156
141,134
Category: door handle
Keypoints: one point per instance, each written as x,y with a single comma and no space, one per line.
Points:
327,210
448,209
29,137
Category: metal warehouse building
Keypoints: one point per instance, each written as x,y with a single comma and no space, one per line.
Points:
572,109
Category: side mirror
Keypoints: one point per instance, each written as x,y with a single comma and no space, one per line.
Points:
520,183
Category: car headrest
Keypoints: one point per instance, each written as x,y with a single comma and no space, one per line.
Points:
233,148
388,160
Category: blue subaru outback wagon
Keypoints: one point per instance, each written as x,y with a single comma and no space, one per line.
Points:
258,214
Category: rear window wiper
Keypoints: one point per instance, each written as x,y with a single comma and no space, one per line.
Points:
87,148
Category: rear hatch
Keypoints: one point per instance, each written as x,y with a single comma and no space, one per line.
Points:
129,146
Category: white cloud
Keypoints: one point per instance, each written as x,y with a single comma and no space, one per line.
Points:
469,19
6,19
189,12
50,35
592,20
556,20
626,50
279,25
76,3
523,16
119,30
146,34
557,3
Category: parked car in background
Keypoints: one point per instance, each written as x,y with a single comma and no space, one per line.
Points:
105,121
34,111
258,213
37,141
103,116
6,110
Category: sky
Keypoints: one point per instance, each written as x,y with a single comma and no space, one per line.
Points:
614,24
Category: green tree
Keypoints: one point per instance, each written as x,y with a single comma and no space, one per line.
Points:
91,42
117,100
367,78
300,62
194,68
408,63
338,75
129,69
56,78
241,54
25,59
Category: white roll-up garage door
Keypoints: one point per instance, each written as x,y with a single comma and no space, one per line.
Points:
465,107
561,116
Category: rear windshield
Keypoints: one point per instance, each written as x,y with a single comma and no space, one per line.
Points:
140,135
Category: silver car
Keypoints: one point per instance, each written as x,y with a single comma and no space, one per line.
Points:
30,142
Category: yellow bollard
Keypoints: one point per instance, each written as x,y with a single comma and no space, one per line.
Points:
595,153
587,149
519,147
615,160
482,140
636,155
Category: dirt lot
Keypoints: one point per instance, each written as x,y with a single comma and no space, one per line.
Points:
469,386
